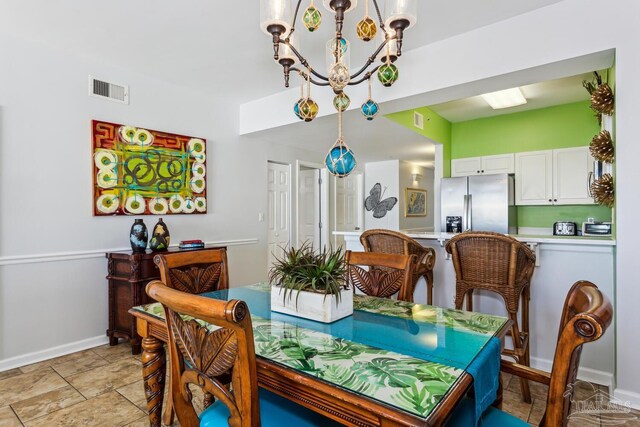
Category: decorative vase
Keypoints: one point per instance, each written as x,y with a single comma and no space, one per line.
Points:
313,306
160,237
138,236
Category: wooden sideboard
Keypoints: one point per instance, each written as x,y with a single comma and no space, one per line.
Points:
128,273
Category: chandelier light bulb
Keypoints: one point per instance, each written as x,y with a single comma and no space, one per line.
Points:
275,14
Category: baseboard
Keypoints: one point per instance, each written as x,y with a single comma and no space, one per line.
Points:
627,396
50,353
584,374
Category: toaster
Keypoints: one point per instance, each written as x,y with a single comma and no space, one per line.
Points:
596,228
565,228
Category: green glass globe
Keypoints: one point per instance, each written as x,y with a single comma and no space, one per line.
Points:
387,74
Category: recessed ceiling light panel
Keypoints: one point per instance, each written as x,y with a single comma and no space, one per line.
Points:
505,98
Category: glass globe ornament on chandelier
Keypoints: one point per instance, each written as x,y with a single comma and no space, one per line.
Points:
278,21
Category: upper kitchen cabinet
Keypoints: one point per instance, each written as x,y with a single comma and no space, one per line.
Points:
485,165
554,177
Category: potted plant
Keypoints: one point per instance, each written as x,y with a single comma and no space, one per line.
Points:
311,284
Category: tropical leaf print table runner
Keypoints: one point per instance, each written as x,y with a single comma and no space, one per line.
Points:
414,382
402,381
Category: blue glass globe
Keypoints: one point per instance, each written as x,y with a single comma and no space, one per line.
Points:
296,108
370,109
341,161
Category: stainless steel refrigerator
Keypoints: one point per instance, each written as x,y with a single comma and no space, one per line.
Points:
479,203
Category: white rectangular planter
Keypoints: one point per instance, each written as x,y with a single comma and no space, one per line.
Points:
312,306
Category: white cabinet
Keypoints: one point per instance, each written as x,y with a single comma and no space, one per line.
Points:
501,163
554,177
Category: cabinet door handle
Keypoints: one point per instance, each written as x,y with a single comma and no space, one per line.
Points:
482,171
555,200
477,171
589,178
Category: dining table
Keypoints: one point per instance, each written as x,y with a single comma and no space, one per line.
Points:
391,363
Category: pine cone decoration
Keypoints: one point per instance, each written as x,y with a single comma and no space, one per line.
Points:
602,147
603,191
602,99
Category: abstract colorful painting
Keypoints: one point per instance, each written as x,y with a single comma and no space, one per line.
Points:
146,172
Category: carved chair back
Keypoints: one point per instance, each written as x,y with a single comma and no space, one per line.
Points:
381,275
200,353
393,242
586,316
194,272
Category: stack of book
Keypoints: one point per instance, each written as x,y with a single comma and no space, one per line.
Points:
191,244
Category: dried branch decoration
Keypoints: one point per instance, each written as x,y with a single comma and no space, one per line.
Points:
602,98
602,147
603,191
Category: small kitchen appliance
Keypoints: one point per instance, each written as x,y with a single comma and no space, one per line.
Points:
565,228
596,228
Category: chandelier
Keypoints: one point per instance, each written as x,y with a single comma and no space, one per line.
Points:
277,21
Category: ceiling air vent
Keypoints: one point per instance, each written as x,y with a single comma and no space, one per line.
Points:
112,91
418,120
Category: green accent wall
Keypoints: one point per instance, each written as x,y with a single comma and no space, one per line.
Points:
562,126
436,129
545,216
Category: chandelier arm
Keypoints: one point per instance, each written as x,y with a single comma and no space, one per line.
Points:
371,59
305,76
303,61
365,77
382,26
295,18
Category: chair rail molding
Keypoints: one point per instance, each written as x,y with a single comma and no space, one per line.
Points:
99,253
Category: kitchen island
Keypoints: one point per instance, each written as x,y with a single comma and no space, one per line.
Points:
560,262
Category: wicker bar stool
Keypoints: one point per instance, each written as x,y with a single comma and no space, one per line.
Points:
498,263
393,242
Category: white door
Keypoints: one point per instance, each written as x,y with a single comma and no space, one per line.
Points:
572,172
278,229
309,207
349,205
534,178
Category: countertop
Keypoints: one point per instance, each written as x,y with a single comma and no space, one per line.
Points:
526,238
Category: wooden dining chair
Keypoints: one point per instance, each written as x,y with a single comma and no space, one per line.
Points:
194,272
381,275
208,338
586,316
393,242
497,263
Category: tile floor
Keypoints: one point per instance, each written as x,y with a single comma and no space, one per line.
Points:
102,386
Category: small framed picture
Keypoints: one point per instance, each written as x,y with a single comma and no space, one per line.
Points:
415,202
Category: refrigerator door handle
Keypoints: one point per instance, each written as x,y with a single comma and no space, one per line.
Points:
469,212
464,214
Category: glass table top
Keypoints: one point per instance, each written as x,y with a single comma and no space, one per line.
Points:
403,354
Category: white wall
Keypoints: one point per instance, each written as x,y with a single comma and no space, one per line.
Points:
53,292
419,223
555,41
385,173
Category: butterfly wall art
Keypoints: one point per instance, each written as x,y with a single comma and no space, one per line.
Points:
379,207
